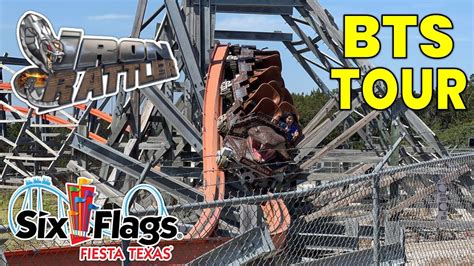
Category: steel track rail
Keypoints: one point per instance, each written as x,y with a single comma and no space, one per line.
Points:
214,179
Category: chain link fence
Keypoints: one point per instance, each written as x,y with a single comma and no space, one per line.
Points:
423,216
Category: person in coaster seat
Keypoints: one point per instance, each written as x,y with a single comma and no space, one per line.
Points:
288,122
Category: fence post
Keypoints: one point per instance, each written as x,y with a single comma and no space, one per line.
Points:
376,216
376,199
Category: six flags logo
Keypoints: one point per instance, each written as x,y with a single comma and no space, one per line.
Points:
85,221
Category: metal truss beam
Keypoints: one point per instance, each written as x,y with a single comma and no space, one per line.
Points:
245,248
171,113
134,168
182,171
456,225
389,153
184,42
262,10
5,60
20,168
107,190
284,3
317,17
255,36
69,137
307,67
316,137
307,41
424,131
393,253
340,139
323,24
152,17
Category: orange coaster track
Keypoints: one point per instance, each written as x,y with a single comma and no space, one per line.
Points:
214,179
275,211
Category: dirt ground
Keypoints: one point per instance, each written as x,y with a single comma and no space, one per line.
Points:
452,252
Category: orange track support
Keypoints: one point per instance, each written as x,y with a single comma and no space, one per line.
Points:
275,211
95,112
5,86
278,220
214,178
54,119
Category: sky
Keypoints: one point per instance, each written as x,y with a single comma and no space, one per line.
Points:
115,18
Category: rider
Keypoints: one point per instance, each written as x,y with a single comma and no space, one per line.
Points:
289,124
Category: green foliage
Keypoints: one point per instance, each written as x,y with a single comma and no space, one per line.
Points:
453,127
458,134
308,105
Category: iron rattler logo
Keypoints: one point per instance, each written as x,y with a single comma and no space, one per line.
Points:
75,68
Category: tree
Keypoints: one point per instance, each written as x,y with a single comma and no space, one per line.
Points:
308,105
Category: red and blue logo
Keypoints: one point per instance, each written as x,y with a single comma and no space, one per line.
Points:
81,205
